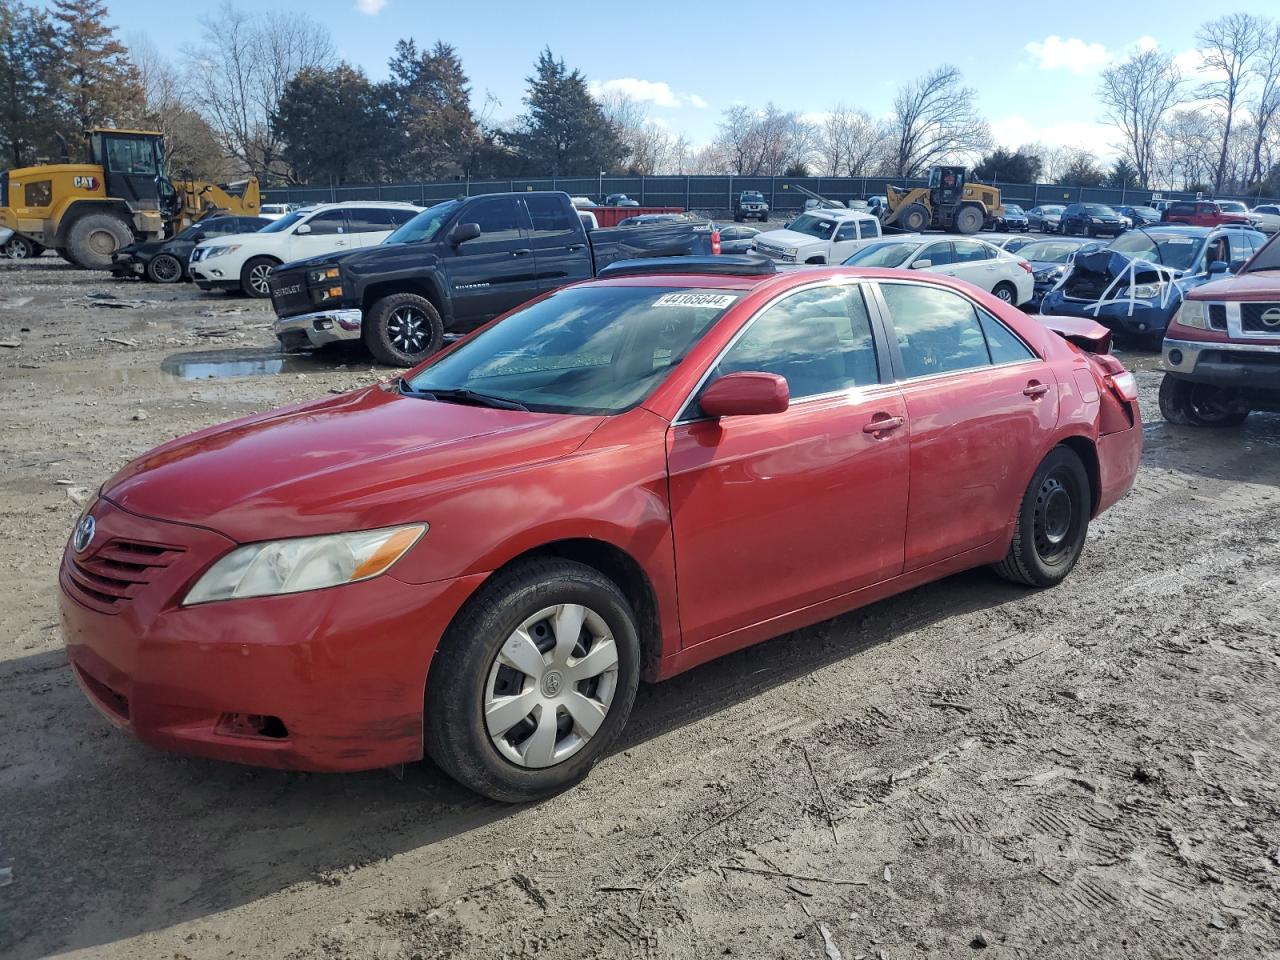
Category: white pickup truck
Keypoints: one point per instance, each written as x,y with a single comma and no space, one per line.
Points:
819,236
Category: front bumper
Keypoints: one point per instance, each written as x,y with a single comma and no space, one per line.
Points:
1247,366
321,328
205,281
342,671
1139,317
127,266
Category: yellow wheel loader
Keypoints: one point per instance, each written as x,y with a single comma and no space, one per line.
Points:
88,211
950,202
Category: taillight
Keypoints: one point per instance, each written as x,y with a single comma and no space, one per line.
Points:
1027,267
1124,385
715,242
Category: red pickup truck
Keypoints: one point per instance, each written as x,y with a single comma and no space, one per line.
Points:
1201,213
1222,350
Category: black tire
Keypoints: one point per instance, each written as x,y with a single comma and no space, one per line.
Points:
1006,291
95,237
454,725
402,329
255,277
164,268
969,220
64,254
914,218
1052,522
18,248
1199,404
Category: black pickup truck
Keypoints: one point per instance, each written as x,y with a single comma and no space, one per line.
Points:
456,266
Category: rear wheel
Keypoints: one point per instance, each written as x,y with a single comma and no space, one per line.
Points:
402,329
95,237
969,220
18,248
1006,291
1199,404
1052,522
255,277
533,681
164,268
915,218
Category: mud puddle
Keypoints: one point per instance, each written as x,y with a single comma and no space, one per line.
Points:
222,364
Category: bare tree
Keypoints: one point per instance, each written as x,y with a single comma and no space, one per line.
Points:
935,118
1267,104
1138,94
190,144
1189,147
1229,45
650,147
238,72
851,143
764,143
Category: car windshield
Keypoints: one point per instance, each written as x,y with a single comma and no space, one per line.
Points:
1048,251
425,225
1047,210
1146,212
752,195
814,226
1012,208
1097,210
284,223
1168,249
891,253
583,350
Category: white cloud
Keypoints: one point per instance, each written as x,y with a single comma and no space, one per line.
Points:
657,92
1073,54
370,8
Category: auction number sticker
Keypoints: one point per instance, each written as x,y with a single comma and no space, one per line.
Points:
716,301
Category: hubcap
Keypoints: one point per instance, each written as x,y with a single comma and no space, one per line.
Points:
102,242
407,330
166,268
258,278
1053,518
15,249
550,686
1003,294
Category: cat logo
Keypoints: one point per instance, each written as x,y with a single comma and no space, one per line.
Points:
85,183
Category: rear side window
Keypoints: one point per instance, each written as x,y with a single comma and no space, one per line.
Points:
370,220
848,231
870,228
1002,343
327,223
1183,209
819,340
968,252
937,330
549,215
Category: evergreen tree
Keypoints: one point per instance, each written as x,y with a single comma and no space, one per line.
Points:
565,132
429,101
1005,167
333,125
30,84
101,84
1123,174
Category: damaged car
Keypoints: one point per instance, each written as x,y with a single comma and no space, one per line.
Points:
1136,283
1050,259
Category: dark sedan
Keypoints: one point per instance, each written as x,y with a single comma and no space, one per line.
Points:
1092,220
1046,219
736,239
165,261
1049,260
1140,216
1014,219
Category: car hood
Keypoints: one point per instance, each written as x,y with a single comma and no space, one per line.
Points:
150,247
1263,285
329,259
788,238
356,461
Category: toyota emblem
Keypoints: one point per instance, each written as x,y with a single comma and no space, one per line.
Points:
1271,318
85,530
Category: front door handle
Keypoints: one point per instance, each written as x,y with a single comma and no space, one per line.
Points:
575,247
882,423
1035,389
522,252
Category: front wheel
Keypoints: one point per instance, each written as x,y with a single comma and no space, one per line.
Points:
255,278
1199,404
164,268
533,681
1052,522
402,329
969,220
18,248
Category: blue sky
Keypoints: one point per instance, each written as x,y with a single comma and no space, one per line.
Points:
1036,76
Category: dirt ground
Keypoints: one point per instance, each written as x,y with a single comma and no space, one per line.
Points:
971,768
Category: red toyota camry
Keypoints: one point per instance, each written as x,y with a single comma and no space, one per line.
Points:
622,479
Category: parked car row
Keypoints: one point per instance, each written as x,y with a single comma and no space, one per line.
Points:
1005,276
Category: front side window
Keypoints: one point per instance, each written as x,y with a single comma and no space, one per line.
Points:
583,350
938,254
497,219
819,340
328,223
937,330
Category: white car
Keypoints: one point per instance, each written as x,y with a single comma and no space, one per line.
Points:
274,211
819,236
1267,217
244,261
1005,275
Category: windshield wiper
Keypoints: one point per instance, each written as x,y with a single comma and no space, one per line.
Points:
462,395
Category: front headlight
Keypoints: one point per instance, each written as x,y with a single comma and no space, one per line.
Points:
1191,314
303,563
791,251
1143,291
1049,273
212,252
323,274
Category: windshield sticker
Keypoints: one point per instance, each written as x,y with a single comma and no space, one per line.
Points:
1172,240
716,301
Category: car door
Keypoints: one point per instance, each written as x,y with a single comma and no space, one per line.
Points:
976,263
560,249
772,513
495,271
326,233
845,241
938,254
980,404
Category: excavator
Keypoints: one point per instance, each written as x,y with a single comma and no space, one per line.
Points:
88,211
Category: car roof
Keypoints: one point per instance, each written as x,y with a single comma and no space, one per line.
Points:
347,204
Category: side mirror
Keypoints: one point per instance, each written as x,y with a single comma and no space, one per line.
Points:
746,394
921,264
198,237
1218,266
464,232
303,229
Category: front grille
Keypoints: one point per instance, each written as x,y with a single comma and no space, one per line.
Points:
1217,316
1263,361
1260,318
106,579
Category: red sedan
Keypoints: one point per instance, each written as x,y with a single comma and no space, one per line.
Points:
622,479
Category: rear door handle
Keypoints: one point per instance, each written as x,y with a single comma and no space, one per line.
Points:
522,252
1034,389
882,424
575,247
